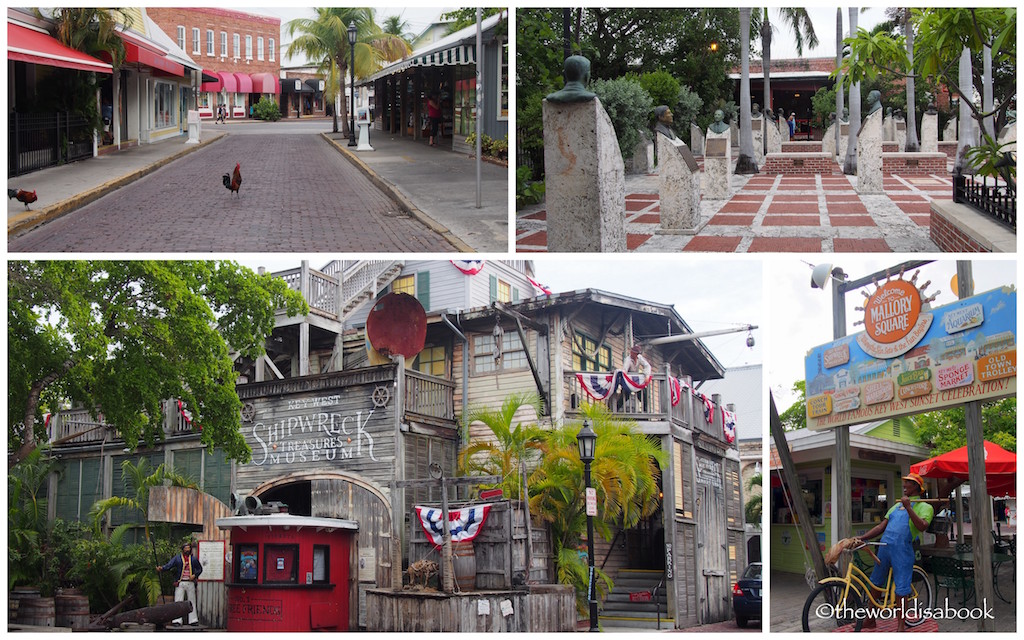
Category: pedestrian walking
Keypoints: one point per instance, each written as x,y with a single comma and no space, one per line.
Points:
792,124
186,568
251,107
434,115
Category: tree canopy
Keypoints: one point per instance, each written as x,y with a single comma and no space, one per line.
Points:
947,430
118,337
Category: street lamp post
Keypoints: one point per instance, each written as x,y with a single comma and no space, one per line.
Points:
587,439
352,83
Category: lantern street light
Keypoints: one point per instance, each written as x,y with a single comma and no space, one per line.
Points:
587,440
352,82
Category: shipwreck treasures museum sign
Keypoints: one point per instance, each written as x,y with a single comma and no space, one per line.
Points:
911,359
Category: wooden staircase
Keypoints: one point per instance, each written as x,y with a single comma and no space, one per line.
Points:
620,611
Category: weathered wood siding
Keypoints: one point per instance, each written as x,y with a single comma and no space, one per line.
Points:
180,505
326,422
546,608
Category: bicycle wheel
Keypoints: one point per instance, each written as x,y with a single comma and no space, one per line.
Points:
825,608
920,584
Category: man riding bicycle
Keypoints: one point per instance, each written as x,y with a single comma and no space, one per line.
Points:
903,524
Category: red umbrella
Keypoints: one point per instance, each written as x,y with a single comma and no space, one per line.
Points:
1000,468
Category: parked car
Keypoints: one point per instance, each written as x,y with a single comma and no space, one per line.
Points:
746,595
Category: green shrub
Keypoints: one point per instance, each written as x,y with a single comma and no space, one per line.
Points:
629,107
663,89
527,191
266,109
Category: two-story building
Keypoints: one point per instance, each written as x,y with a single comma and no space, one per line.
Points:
333,426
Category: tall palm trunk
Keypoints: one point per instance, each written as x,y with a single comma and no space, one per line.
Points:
766,66
988,123
745,164
965,134
908,32
839,80
850,167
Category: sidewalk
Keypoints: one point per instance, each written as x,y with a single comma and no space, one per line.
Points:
442,185
67,187
810,214
787,593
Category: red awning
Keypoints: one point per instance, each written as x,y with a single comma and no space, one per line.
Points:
265,83
1000,468
211,86
36,47
147,54
227,79
244,82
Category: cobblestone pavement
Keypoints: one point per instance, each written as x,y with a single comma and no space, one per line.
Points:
820,213
298,194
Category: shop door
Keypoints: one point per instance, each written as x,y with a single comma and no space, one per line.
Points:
183,110
712,554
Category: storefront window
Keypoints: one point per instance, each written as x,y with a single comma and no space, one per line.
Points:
280,564
239,100
783,506
165,113
869,503
245,566
321,563
465,100
204,99
503,82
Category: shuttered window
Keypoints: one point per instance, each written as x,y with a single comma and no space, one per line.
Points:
423,289
211,471
420,451
733,502
79,486
683,467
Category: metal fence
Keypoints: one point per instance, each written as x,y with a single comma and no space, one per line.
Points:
39,141
532,158
997,200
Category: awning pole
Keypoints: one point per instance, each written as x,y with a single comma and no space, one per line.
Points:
479,103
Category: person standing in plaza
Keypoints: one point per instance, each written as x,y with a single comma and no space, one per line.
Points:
792,124
434,116
186,568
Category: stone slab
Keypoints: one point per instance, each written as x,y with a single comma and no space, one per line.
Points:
828,140
584,180
717,166
696,140
643,155
679,187
930,132
869,155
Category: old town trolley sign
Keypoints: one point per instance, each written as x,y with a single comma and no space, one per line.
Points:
911,358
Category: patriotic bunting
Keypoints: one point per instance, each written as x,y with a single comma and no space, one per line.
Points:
464,523
676,387
729,425
538,288
469,267
709,408
600,385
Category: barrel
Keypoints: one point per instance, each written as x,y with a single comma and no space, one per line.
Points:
464,565
37,612
15,598
72,609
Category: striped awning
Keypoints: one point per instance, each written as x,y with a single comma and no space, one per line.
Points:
462,54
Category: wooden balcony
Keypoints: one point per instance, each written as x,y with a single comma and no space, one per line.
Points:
333,292
652,404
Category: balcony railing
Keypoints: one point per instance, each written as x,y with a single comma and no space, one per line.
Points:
652,404
997,200
429,398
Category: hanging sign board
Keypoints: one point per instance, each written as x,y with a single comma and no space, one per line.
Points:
911,359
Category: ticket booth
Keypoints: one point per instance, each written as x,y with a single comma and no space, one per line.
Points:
290,573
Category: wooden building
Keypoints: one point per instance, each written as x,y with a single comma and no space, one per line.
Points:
333,432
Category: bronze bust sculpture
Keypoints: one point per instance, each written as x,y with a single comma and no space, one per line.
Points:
577,75
874,101
664,126
719,126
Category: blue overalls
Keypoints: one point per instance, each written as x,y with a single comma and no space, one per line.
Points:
898,552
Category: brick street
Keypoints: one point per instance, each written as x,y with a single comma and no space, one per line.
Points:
298,194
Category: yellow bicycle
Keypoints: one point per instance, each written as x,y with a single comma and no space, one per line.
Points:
841,600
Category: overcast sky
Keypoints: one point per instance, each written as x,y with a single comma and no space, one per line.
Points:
799,317
824,21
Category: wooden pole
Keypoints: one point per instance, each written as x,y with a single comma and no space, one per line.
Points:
803,516
981,507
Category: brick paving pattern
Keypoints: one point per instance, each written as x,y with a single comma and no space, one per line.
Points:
298,194
779,213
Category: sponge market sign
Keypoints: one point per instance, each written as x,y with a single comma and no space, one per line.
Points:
911,359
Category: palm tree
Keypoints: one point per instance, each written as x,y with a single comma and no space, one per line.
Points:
94,31
394,25
745,164
325,39
752,509
506,455
850,166
625,473
839,80
27,523
908,33
801,28
138,479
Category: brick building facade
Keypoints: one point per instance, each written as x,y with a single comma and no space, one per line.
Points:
239,52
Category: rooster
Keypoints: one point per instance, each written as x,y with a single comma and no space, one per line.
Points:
27,197
234,181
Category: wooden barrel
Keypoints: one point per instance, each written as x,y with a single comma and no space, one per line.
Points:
14,599
464,565
36,612
71,609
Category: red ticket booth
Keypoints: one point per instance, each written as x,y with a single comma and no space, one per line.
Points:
289,573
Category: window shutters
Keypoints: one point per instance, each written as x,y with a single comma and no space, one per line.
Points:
493,288
423,289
